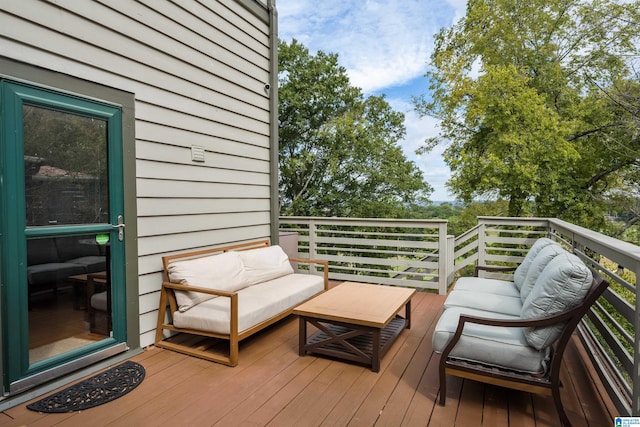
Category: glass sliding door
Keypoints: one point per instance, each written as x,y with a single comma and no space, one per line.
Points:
62,232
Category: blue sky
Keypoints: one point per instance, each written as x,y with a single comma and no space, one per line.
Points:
385,46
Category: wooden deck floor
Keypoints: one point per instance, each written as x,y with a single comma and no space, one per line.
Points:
274,386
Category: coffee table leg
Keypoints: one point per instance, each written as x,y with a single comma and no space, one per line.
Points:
302,336
407,315
375,356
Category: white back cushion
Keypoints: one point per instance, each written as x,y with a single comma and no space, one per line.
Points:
265,264
561,286
545,255
223,272
521,272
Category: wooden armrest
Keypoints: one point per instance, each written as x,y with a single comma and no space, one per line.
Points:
325,267
180,287
492,268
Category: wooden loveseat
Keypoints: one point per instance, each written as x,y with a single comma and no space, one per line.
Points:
230,293
514,333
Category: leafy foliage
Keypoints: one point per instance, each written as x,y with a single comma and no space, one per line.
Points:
66,177
339,152
521,89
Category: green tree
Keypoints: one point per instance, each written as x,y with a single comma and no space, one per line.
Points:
518,88
625,197
339,151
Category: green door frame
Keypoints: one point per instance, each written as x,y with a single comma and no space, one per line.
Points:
13,230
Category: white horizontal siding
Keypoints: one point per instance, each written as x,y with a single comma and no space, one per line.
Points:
184,120
150,265
185,206
197,69
148,323
149,303
180,154
149,169
149,283
165,189
155,132
163,225
163,244
243,21
218,26
202,109
108,50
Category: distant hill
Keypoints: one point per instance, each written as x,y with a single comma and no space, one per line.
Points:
451,202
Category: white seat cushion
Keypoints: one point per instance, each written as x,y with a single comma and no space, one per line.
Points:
256,304
486,301
496,346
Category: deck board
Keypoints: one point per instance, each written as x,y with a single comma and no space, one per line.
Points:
521,410
274,386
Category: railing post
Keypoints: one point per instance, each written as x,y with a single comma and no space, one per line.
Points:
443,263
451,252
635,399
482,243
312,242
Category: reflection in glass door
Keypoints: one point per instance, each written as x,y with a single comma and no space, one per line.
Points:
66,297
66,183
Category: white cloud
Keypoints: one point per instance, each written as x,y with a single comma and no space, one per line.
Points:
385,46
380,43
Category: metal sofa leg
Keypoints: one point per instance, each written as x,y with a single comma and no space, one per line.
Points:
564,420
443,382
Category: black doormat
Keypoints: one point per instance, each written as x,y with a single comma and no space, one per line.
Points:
102,388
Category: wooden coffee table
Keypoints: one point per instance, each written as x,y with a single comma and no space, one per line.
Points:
356,321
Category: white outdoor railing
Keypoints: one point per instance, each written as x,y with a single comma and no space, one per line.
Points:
385,251
410,253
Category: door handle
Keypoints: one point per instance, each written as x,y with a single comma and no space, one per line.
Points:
120,228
